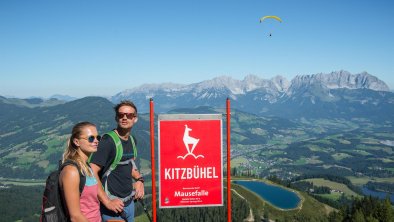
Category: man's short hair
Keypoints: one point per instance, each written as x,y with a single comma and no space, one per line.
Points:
125,103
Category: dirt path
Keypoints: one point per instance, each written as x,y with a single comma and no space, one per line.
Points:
250,218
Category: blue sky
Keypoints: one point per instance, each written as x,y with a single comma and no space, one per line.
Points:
85,47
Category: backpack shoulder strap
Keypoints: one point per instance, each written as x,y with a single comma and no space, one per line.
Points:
82,178
134,146
119,149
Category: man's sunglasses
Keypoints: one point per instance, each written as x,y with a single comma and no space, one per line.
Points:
128,115
90,139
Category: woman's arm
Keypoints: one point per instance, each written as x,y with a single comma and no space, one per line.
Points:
69,181
115,205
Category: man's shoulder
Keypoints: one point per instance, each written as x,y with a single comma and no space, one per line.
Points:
106,150
106,136
106,141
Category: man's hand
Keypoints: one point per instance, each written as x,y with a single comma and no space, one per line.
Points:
115,205
139,190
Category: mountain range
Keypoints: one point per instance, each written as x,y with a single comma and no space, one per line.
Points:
275,87
334,95
337,94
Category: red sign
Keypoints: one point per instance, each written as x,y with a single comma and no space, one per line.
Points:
190,160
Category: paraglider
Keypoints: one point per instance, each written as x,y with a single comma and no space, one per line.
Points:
270,17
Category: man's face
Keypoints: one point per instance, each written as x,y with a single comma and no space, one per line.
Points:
126,117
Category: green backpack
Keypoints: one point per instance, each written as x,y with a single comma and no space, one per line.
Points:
119,149
116,162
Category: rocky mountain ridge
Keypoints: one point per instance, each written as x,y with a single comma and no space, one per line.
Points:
337,91
278,84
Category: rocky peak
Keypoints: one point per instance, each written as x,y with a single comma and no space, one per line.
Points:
281,83
340,79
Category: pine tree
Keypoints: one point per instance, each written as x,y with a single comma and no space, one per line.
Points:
358,216
266,214
371,219
336,216
387,213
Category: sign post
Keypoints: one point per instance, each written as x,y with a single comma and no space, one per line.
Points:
152,153
190,160
228,160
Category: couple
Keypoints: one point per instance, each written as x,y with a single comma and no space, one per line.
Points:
84,142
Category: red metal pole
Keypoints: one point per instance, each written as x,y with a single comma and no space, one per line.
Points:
152,154
228,162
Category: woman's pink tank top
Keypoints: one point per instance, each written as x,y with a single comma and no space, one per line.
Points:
89,203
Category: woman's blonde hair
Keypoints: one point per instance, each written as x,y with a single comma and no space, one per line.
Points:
73,152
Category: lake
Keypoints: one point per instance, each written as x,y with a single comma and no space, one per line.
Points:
378,194
275,195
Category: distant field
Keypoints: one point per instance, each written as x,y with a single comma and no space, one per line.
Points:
332,185
360,181
22,182
238,161
340,156
333,196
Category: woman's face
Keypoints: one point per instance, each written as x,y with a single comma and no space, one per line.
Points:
88,140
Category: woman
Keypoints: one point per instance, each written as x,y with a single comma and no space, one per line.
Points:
85,206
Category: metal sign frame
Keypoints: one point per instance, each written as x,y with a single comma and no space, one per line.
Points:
199,151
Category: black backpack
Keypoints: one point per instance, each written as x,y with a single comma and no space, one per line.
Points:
53,209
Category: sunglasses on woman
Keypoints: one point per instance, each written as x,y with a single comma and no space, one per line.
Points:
90,139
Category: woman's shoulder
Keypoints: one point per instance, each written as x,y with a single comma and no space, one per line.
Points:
69,171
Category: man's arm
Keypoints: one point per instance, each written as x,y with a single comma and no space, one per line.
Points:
139,184
115,205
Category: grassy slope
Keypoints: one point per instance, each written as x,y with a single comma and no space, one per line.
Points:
332,185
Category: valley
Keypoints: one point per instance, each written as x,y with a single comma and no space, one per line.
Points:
327,143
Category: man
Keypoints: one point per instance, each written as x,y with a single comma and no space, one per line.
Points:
117,195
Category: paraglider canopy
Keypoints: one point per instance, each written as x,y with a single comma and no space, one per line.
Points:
270,17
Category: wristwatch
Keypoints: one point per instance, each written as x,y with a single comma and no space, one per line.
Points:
141,179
